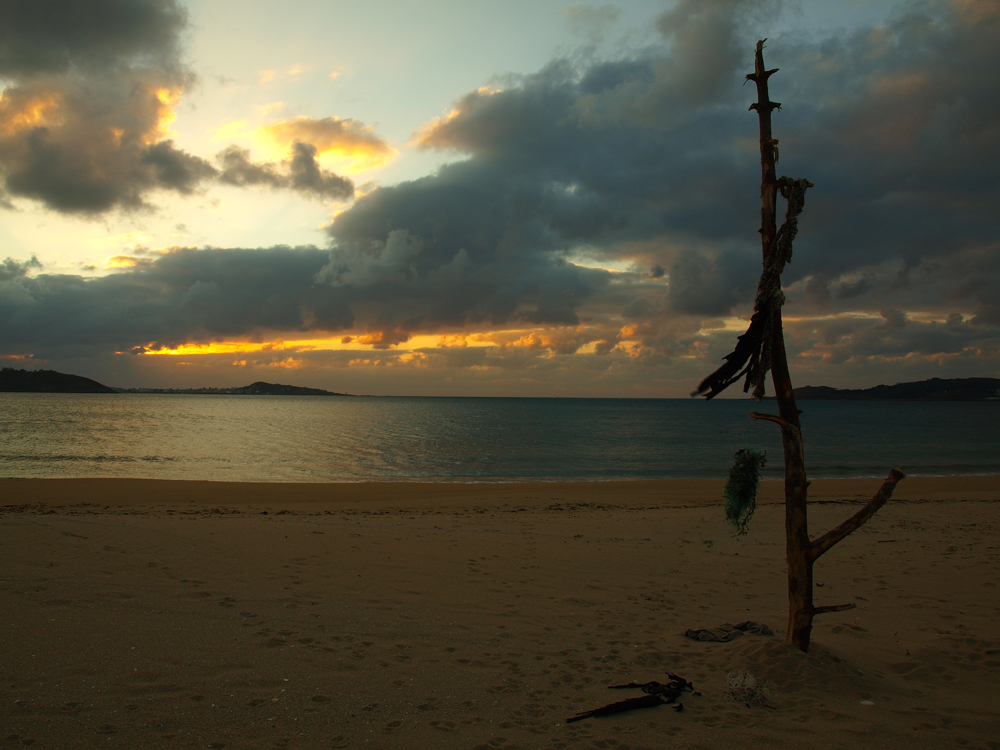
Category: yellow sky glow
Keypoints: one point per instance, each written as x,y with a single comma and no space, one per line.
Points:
168,98
338,343
346,147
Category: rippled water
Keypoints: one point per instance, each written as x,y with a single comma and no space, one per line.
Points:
317,439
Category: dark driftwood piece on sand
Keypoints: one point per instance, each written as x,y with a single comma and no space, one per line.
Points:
656,694
762,348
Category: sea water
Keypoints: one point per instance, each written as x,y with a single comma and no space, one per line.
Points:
321,439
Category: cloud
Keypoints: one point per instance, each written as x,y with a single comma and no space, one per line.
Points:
87,150
46,37
307,176
85,124
184,295
350,143
301,172
652,158
13,269
176,169
459,258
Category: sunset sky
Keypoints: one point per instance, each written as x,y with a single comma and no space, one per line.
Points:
492,198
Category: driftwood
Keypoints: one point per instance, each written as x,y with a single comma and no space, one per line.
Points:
762,348
656,694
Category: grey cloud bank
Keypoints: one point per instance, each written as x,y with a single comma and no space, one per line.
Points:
647,163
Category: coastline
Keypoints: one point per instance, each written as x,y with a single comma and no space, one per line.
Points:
143,613
154,494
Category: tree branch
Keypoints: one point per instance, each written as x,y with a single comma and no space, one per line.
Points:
785,425
822,544
770,418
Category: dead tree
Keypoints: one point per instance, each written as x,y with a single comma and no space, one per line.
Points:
762,348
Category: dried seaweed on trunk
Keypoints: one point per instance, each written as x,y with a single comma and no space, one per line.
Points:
753,347
741,489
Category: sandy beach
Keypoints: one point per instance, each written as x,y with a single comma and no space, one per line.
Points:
139,614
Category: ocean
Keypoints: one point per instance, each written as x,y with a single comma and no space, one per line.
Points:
353,439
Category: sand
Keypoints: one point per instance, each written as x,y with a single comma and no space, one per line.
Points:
149,614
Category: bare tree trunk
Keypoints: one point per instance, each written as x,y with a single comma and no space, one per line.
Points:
800,552
800,564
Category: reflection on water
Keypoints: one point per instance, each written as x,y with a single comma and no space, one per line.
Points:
316,439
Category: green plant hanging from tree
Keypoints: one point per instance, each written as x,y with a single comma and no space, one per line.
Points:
741,489
762,348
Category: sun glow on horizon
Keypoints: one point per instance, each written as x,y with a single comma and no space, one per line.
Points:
409,349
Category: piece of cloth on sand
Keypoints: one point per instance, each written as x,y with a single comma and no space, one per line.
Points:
727,632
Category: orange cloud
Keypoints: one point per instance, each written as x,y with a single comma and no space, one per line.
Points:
383,339
434,134
349,144
166,102
126,261
25,110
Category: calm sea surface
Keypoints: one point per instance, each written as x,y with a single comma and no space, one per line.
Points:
320,439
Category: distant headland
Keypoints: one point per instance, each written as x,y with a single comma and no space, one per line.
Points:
935,389
260,388
49,381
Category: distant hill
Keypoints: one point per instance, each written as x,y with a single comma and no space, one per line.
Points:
47,381
935,389
50,381
260,388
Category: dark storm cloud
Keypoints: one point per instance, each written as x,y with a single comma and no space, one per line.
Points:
307,176
654,158
897,127
182,296
476,250
489,240
13,269
240,170
53,36
301,172
176,169
891,338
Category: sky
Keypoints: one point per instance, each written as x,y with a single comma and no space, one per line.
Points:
487,198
